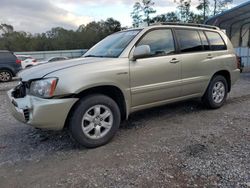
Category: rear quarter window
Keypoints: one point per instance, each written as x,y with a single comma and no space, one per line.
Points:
216,41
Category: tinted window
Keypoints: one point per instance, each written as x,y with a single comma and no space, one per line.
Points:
23,58
53,59
62,58
6,56
215,40
204,41
189,40
161,42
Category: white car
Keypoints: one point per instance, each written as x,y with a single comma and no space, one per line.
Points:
53,59
27,61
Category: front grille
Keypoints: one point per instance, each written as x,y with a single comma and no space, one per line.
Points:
19,91
26,114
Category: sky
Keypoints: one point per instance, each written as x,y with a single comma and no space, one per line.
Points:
36,16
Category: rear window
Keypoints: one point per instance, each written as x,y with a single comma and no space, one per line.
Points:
189,40
6,55
22,58
215,40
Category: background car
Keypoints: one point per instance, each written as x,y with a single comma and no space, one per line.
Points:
9,66
27,61
53,59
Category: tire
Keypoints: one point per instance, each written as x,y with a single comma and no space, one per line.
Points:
216,92
28,66
5,76
86,123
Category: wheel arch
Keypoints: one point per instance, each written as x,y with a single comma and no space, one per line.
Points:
226,75
108,90
27,66
8,69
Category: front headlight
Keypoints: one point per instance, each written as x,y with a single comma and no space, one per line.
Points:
43,88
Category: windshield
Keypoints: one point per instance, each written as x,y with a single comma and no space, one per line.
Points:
113,45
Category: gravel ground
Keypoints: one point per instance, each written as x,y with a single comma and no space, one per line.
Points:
178,145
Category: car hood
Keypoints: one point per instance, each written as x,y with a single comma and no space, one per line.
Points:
44,69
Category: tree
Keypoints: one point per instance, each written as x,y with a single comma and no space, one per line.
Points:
169,17
184,10
220,6
57,38
111,26
136,14
148,10
204,8
5,28
142,11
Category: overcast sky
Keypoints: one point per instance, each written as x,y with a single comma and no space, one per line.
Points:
37,16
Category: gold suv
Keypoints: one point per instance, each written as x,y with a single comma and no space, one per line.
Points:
127,71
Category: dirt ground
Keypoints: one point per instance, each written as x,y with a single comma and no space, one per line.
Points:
178,145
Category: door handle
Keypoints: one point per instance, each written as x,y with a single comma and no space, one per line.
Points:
209,56
174,60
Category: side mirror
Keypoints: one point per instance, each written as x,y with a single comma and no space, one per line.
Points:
141,52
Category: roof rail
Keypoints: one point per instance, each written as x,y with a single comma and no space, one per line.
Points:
187,24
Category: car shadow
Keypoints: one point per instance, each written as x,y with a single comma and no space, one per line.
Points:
166,111
24,142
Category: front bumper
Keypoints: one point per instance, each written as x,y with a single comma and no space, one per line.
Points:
41,113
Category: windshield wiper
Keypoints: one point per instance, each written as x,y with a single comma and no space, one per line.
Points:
93,56
99,56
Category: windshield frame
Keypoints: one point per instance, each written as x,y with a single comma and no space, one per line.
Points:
87,54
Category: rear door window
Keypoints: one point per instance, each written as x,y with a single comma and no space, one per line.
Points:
215,40
204,41
189,40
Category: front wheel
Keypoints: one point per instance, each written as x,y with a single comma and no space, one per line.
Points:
95,120
216,92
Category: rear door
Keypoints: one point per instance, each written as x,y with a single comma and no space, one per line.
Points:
218,51
156,78
196,61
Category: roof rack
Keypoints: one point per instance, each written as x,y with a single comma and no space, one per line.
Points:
187,24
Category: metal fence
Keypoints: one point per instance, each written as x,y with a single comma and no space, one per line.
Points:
244,53
41,55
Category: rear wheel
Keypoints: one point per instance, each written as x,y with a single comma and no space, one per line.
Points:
95,120
216,93
5,76
28,66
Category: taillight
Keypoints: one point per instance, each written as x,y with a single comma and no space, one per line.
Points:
238,61
34,60
18,61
